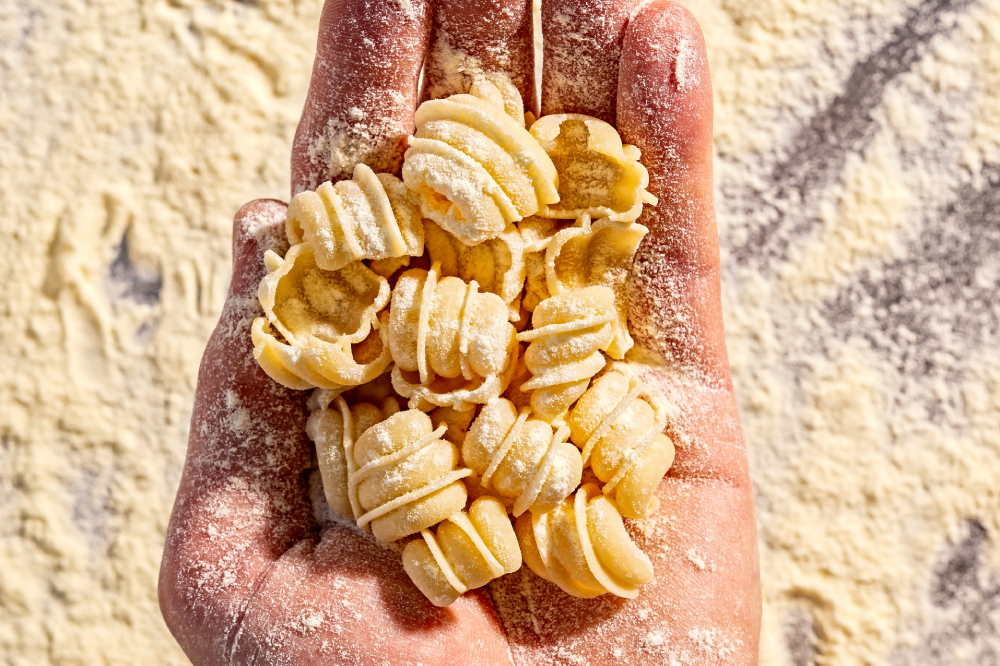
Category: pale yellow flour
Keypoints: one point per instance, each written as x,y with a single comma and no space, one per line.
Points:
130,132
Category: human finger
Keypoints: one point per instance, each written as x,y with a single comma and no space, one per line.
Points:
473,37
240,502
363,91
582,46
665,109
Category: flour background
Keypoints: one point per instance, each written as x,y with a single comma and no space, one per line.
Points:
860,289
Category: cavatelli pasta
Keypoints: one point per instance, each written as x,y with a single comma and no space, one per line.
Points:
567,335
582,547
618,423
497,265
521,459
372,216
323,322
404,476
467,551
598,254
598,176
475,168
452,345
335,443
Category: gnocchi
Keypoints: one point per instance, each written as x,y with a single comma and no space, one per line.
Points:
452,344
372,216
582,547
475,168
618,424
467,551
521,459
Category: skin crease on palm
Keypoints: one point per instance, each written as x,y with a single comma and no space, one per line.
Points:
248,574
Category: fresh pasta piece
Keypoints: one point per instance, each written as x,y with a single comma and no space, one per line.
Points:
497,265
475,168
318,326
567,335
468,551
598,175
452,345
521,459
371,216
618,424
404,476
335,443
582,547
536,234
598,254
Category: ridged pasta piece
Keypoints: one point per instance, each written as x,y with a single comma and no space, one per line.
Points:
582,547
521,459
497,265
335,443
599,254
452,345
371,216
618,423
597,174
536,234
468,551
322,322
404,476
475,168
567,335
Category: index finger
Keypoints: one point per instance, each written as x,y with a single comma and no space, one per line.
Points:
363,90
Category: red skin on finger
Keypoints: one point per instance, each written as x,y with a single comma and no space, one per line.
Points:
583,44
484,35
363,90
665,109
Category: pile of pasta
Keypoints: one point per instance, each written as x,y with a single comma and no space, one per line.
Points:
465,331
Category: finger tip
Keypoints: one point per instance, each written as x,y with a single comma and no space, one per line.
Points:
258,226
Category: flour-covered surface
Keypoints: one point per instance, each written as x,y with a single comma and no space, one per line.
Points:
858,181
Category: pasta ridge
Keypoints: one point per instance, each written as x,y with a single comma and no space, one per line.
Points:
582,547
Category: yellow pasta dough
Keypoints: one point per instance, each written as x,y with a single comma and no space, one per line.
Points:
452,344
618,423
582,547
468,551
497,265
567,335
596,254
318,326
536,234
521,459
334,432
598,175
405,476
475,168
371,216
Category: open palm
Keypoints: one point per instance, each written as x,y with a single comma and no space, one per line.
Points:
250,576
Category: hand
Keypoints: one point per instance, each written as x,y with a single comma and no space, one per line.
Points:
248,574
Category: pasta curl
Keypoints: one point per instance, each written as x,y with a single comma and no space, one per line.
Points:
496,265
335,444
475,168
598,254
371,216
452,345
567,335
468,551
582,547
598,175
618,423
318,326
404,476
521,459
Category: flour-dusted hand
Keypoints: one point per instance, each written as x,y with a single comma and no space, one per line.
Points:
250,573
